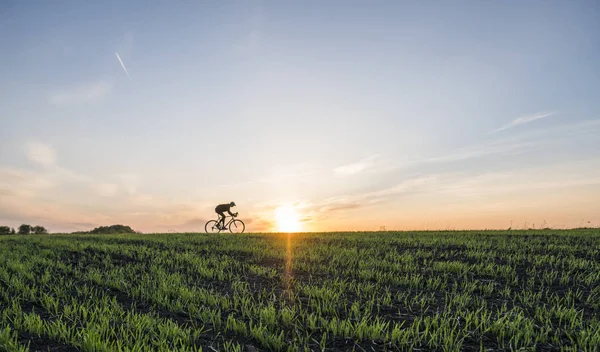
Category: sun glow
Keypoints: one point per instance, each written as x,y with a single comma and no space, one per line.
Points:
287,219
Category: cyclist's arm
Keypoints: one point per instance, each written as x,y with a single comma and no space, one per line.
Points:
230,213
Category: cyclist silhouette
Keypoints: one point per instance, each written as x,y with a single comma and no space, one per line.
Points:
222,208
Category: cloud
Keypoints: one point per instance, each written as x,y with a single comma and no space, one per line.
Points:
81,94
260,225
192,225
340,206
139,211
524,119
412,185
129,182
356,167
41,153
106,189
27,183
478,151
483,186
487,187
195,222
507,145
24,208
504,146
21,183
61,198
7,192
70,175
308,213
287,173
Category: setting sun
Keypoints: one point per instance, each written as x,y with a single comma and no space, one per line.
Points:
287,219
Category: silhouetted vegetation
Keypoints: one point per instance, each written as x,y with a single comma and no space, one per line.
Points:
39,230
24,229
106,230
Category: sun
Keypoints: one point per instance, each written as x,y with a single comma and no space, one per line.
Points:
287,219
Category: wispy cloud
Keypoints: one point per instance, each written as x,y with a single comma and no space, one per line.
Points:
517,143
81,94
20,183
44,154
481,150
340,206
356,167
56,196
123,65
538,180
411,185
288,173
49,213
524,119
41,153
106,189
129,182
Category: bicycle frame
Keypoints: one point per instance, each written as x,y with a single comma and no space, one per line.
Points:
229,222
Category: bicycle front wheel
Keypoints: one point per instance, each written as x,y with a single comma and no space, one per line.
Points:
237,226
211,227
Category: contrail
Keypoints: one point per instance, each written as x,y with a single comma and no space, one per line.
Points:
122,65
523,120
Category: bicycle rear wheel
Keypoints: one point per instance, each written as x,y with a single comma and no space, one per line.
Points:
211,227
237,226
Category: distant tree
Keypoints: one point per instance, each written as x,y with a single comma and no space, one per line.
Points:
4,230
107,230
24,229
12,231
113,229
39,230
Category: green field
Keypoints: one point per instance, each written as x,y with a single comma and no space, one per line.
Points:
422,291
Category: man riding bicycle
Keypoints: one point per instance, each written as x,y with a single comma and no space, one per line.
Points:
222,208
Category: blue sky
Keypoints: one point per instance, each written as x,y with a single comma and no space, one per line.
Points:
354,114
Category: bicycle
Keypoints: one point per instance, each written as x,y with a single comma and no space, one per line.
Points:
234,225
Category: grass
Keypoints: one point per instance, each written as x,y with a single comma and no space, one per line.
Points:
447,291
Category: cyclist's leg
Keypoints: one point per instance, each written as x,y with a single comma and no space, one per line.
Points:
221,219
218,219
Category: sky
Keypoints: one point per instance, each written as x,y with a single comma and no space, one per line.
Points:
340,115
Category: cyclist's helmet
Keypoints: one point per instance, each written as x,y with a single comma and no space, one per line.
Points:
232,204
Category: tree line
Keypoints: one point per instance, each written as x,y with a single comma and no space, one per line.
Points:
113,229
24,229
40,230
